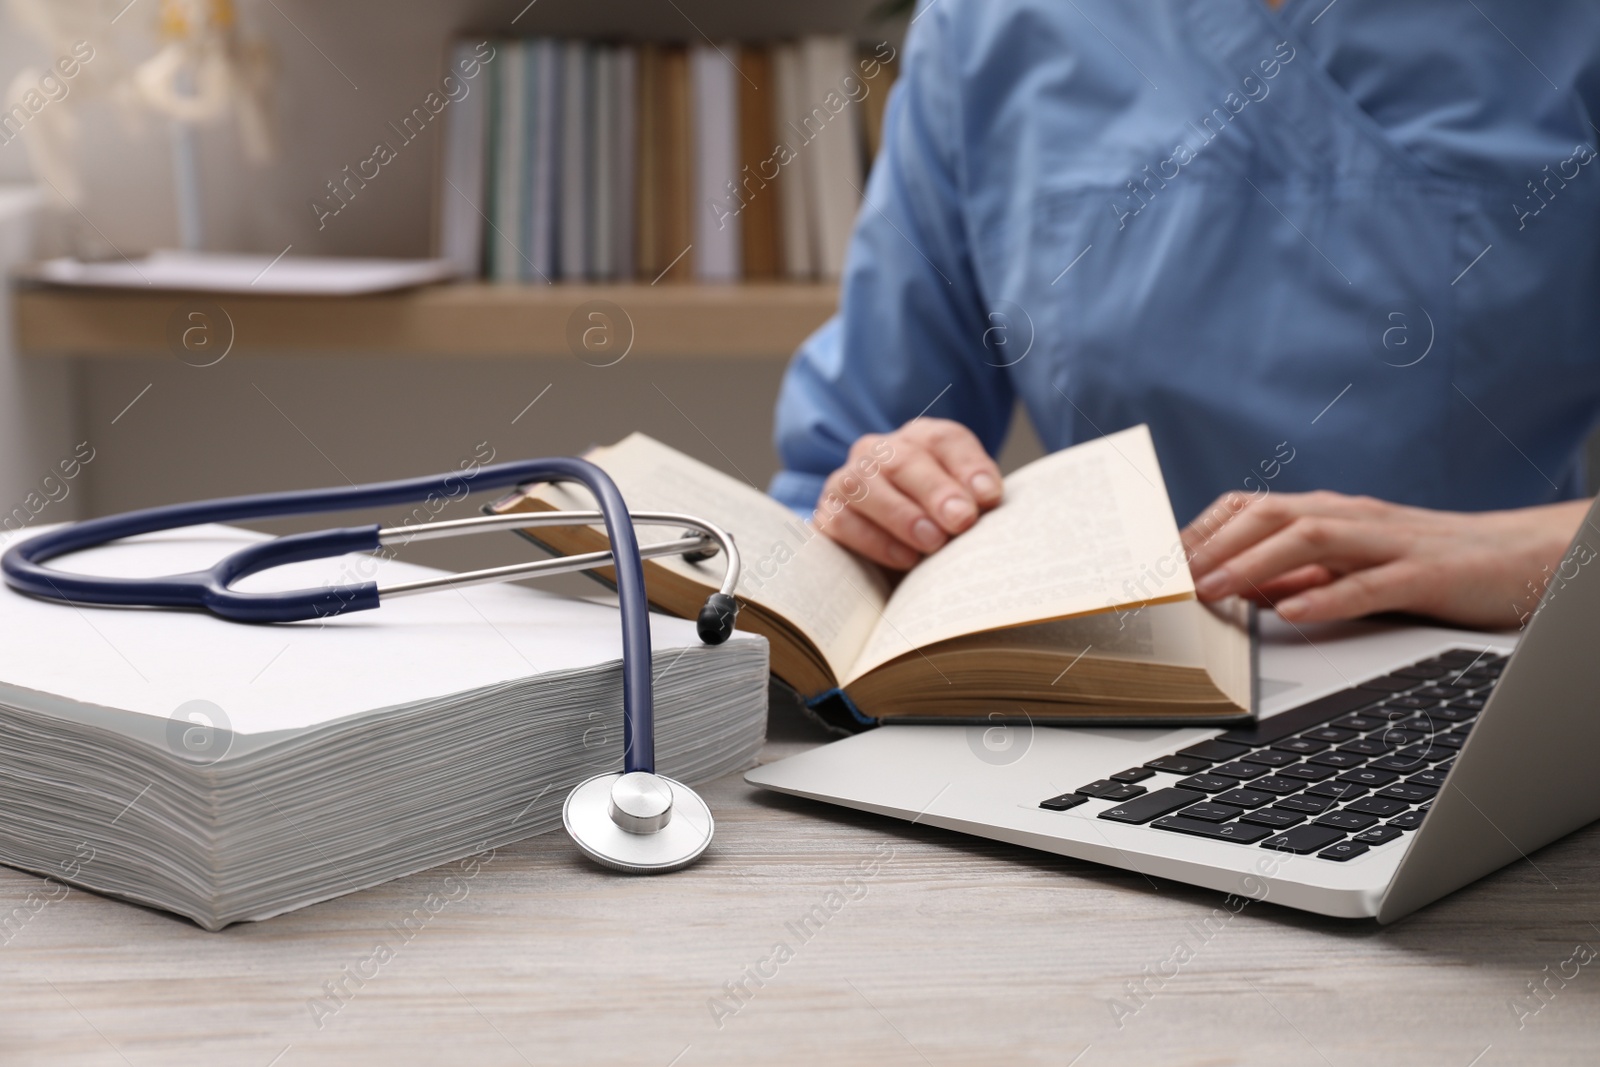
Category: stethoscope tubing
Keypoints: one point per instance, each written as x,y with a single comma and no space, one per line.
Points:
22,563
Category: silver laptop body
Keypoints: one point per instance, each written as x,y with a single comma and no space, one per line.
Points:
1523,776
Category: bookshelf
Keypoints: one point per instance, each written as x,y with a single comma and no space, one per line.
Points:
762,321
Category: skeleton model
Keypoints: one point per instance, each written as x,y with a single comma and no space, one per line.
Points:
201,74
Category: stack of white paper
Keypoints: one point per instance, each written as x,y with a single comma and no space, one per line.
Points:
230,772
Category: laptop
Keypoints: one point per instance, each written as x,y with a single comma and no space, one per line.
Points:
1390,764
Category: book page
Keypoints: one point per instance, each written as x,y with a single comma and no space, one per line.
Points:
832,596
1084,530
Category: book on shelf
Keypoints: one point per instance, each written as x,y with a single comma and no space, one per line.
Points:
1070,602
760,253
601,161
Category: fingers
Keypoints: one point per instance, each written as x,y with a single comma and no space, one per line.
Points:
926,482
884,505
904,495
1296,581
868,539
1390,587
1341,545
1235,521
961,453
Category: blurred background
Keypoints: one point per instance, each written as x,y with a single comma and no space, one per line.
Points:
221,125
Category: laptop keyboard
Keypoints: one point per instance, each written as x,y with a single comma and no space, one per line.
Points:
1336,777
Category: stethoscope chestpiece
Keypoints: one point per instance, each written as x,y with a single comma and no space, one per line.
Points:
639,822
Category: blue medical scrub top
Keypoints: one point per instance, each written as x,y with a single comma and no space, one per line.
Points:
1362,236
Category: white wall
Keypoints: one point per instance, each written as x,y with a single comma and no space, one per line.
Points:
37,409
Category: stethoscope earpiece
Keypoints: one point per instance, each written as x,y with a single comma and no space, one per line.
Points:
715,623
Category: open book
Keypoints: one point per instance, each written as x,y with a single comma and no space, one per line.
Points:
1071,601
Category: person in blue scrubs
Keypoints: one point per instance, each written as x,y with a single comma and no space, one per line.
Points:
1343,258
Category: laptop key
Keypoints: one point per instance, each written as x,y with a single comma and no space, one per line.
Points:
1214,751
1243,771
1364,746
1441,692
1409,821
1207,783
1423,671
1277,818
1300,746
1133,774
1303,840
1389,683
1344,850
1432,779
1178,764
1277,786
1451,740
1430,752
1106,789
1308,772
1233,831
1467,704
1331,734
1243,798
1379,805
1408,792
1368,776
1305,717
1208,812
1270,757
1410,703
1338,790
1346,820
1311,805
1360,721
1152,806
1378,835
1395,737
1338,760
1064,801
1402,764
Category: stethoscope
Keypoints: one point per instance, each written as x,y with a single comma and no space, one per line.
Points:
636,820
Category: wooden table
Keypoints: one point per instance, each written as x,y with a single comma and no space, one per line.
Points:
932,948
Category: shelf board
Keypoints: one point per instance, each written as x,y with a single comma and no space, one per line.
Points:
749,321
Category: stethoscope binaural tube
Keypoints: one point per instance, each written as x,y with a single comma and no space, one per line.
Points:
634,821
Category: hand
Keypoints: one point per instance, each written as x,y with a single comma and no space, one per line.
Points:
903,495
1319,556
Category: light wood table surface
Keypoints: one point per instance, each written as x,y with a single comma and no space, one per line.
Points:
939,949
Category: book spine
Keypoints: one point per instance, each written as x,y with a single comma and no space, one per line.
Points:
462,177
755,193
795,183
625,70
528,268
577,129
509,174
715,133
603,166
831,126
677,240
545,178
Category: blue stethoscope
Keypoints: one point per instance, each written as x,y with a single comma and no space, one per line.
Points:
636,820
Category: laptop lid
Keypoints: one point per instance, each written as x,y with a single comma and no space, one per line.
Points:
1527,774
